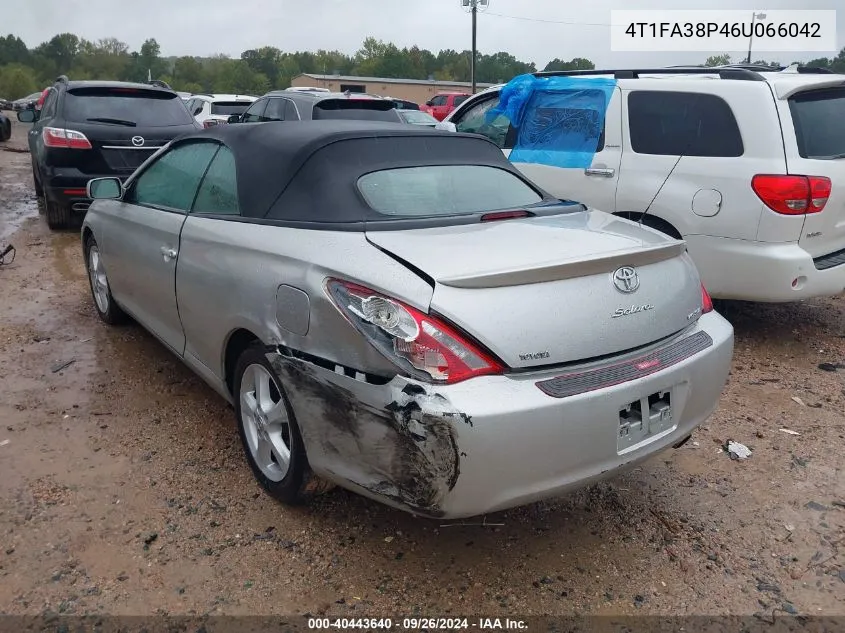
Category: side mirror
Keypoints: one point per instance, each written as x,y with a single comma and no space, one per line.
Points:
234,118
104,189
447,126
27,116
428,103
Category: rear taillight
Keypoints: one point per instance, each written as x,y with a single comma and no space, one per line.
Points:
706,301
792,195
210,123
422,346
60,137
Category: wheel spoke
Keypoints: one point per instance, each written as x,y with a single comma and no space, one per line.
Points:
248,403
264,453
277,413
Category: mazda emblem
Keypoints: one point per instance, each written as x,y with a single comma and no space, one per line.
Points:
138,141
626,279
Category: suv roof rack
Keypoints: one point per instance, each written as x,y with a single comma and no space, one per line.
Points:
158,83
801,70
739,74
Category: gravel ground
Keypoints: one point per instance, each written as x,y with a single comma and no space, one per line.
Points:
124,490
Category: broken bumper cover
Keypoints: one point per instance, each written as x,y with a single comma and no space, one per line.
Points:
493,442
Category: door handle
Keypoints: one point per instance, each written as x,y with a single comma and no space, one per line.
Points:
600,171
168,253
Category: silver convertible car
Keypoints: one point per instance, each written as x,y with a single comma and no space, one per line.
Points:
398,311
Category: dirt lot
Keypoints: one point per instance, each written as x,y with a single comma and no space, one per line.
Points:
124,490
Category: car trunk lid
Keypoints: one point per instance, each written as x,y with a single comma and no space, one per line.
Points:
554,289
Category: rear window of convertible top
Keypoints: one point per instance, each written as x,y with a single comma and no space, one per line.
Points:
443,190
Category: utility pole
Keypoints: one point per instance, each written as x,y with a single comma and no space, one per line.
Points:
473,6
754,16
474,42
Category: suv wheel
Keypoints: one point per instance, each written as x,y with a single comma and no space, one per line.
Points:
58,215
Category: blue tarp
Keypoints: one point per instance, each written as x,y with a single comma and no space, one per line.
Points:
558,120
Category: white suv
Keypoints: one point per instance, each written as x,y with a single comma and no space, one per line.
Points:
210,110
746,165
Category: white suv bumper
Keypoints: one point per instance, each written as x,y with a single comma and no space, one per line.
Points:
760,271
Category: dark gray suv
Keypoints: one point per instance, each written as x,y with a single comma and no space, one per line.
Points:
299,105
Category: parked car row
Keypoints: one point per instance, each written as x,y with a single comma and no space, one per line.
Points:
403,311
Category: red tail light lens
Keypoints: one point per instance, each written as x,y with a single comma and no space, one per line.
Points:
60,137
422,346
792,195
706,301
504,215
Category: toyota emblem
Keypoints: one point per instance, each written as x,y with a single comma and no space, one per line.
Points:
138,141
626,279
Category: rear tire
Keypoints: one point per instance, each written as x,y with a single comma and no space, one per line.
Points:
58,215
269,432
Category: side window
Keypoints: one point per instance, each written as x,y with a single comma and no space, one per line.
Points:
682,124
172,180
439,100
474,121
48,110
253,114
275,110
198,106
189,104
291,113
459,100
218,192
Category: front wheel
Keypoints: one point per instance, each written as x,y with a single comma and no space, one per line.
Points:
268,429
104,302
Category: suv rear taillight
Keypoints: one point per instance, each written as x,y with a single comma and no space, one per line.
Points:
60,137
422,346
210,123
706,301
792,195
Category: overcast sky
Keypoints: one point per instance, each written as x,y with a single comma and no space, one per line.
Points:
206,27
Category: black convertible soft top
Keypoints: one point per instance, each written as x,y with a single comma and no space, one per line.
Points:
306,172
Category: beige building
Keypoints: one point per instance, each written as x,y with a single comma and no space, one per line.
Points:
417,90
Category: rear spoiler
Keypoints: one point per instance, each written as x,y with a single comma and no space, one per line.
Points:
785,91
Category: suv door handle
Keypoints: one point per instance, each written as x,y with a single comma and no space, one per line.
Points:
168,253
600,171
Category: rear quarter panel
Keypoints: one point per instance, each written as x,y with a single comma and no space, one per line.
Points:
229,273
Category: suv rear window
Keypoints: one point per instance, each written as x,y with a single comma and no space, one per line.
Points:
126,106
682,124
359,109
444,190
818,118
229,107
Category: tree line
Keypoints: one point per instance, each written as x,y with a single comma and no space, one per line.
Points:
24,70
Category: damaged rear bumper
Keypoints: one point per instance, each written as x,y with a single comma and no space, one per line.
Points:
493,442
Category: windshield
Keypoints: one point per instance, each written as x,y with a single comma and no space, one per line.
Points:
419,118
363,109
230,107
143,108
445,190
818,117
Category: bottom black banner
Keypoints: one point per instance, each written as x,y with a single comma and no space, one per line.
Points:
774,623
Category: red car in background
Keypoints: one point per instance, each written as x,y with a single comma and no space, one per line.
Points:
442,104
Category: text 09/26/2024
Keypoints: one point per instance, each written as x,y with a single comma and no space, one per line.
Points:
418,624
723,31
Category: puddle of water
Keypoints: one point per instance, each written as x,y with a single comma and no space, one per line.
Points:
20,206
